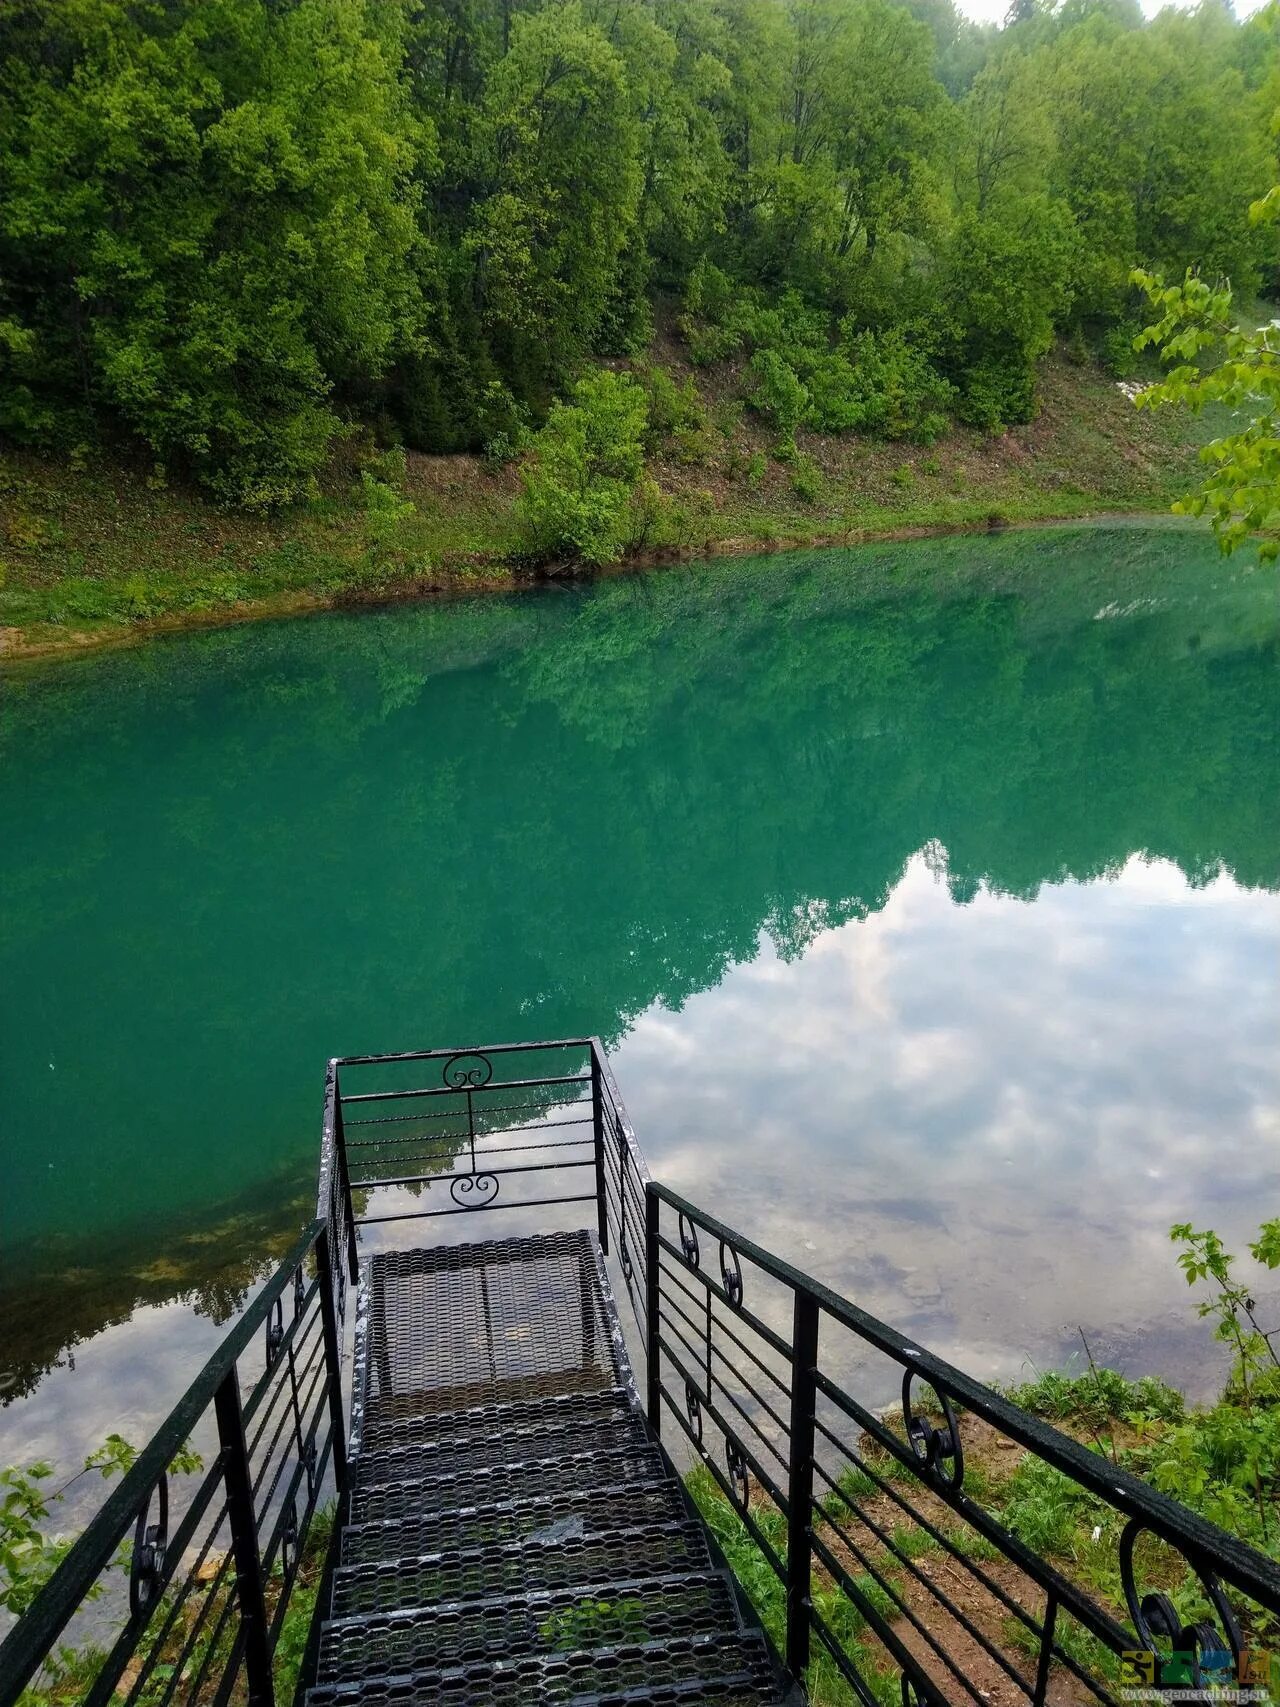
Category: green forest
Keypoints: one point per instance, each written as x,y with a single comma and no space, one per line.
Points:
236,233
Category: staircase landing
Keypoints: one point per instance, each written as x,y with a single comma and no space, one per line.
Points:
513,1533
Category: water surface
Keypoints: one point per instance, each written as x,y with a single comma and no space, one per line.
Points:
928,895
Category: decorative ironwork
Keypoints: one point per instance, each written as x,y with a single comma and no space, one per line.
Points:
467,1072
731,1273
934,1446
474,1191
689,1241
739,1480
299,1292
693,1409
789,1437
289,1541
150,1543
1156,1619
275,1333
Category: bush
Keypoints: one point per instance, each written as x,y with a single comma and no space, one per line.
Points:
580,488
779,396
806,479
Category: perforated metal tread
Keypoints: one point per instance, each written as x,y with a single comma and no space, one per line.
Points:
431,1578
513,1534
522,1318
687,1669
548,1622
604,1466
581,1512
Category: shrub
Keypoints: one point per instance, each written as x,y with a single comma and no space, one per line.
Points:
779,396
580,486
806,479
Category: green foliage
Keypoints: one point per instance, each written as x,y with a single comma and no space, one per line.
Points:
230,231
779,395
582,481
1241,492
29,1554
1098,1398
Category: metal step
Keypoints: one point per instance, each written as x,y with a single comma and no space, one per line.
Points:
547,1516
475,1453
655,1549
523,1316
686,1670
606,1465
547,1622
390,1423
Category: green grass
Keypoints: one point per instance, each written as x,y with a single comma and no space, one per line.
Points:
100,551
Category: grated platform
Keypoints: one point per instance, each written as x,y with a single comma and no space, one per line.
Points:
512,1532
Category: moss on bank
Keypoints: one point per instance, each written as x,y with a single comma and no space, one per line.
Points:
100,552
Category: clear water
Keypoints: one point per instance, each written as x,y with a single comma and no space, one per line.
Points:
928,895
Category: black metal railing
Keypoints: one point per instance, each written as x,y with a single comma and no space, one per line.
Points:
212,1555
752,1360
518,1126
893,1553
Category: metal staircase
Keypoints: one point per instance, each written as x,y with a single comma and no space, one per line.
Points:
513,1533
511,1525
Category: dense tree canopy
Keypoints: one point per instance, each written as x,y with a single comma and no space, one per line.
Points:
232,228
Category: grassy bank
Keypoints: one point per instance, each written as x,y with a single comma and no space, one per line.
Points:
96,551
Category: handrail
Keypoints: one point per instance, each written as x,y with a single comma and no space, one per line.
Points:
1233,1558
32,1640
716,1393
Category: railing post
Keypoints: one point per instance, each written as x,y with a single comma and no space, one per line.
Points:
804,1394
332,1355
597,1121
654,1381
344,1181
244,1541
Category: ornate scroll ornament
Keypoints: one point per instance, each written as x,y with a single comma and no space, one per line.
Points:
731,1274
146,1567
299,1292
467,1072
934,1447
1155,1616
275,1332
689,1241
693,1405
289,1541
309,1459
739,1481
474,1191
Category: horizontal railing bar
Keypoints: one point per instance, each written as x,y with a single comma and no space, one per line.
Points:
32,1638
783,1386
775,1564
488,1173
726,1428
886,1487
886,1539
718,1351
844,1665
448,1054
843,1581
772,1339
461,1113
460,1149
491,1089
1240,1564
717,1380
478,1209
444,1139
1038,1569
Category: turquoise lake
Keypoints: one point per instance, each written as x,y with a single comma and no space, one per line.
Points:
927,897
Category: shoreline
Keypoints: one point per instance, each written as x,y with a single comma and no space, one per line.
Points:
20,646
